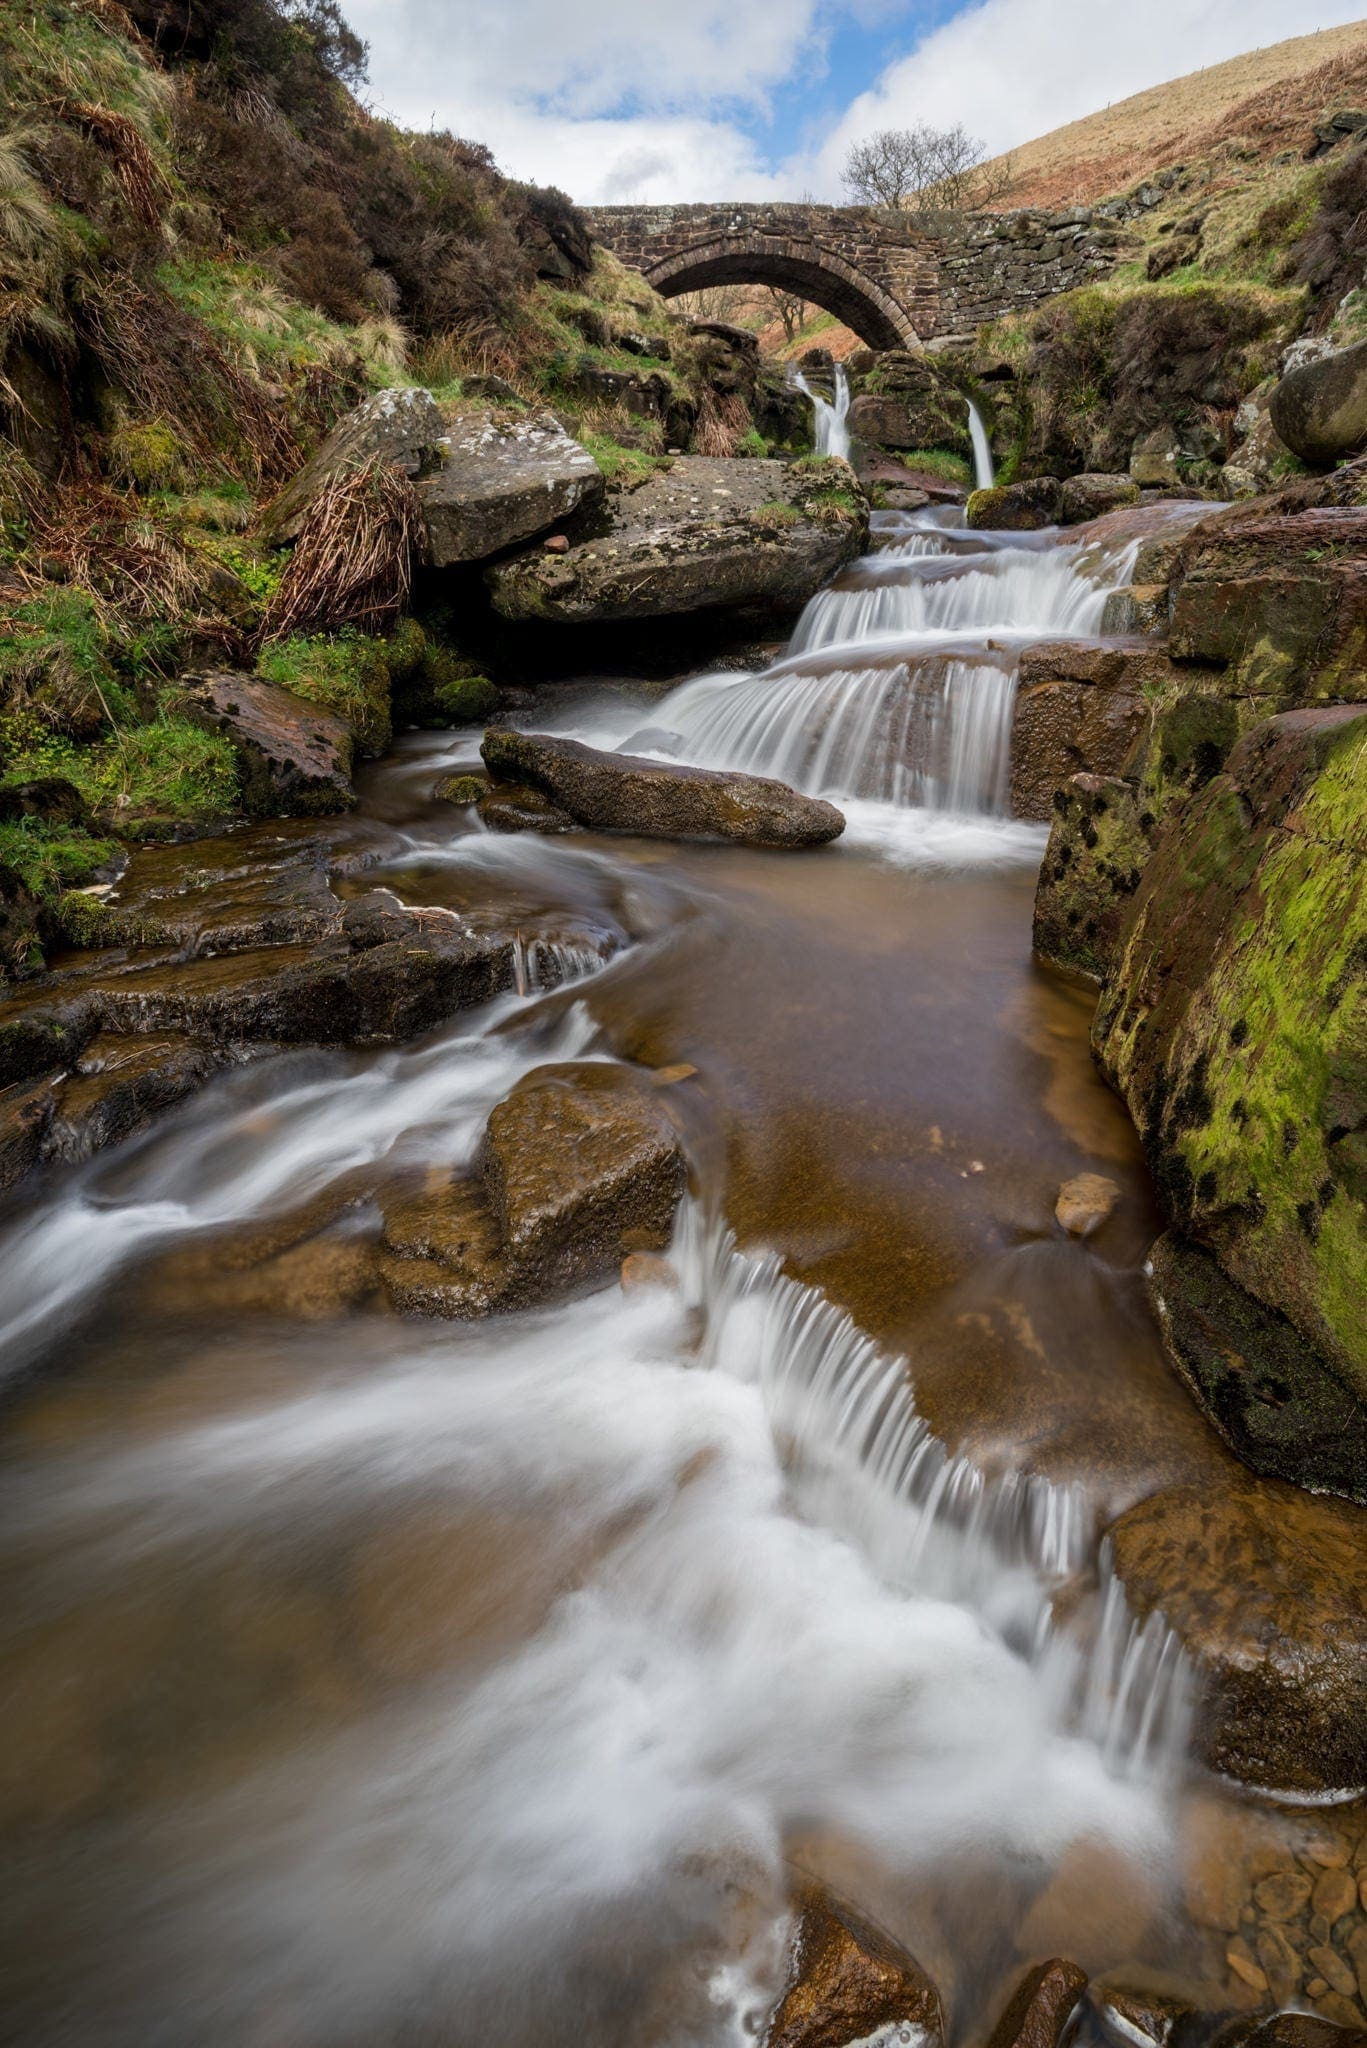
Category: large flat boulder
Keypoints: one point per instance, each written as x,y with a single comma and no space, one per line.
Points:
501,478
658,799
700,534
403,426
293,758
1234,1024
1264,1585
1320,409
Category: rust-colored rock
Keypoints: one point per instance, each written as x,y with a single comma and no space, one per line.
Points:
1266,1586
294,760
1041,2007
848,1980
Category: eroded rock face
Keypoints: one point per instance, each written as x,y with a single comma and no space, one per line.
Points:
1264,1585
1281,596
1235,1019
658,800
701,534
502,477
1320,409
294,759
1017,508
1267,1391
848,1982
1091,868
404,426
913,405
1082,708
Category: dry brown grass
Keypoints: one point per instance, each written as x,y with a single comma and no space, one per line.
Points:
353,562
722,423
122,141
1268,98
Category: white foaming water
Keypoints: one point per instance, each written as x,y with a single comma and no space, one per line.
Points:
256,1144
710,1672
984,470
899,687
831,433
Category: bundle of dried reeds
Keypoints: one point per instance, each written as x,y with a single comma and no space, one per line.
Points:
353,562
721,424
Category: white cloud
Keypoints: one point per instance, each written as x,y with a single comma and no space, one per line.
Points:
643,99
1013,69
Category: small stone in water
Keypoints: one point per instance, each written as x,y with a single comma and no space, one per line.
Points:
1335,1894
1240,1959
1085,1202
1334,1970
1284,1895
665,1077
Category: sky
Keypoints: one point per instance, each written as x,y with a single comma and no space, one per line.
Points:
620,101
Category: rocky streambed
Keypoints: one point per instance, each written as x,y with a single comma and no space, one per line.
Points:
588,1452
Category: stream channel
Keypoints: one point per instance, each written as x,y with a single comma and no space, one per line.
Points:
381,1681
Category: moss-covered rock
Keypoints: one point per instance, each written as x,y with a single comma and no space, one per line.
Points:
1017,508
345,673
1235,1020
1092,866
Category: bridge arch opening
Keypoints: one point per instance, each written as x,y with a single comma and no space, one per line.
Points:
816,274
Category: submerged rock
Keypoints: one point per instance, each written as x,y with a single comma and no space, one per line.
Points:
402,425
1234,1022
656,799
1017,508
294,759
848,1983
1264,1585
1319,410
698,534
502,477
1085,1202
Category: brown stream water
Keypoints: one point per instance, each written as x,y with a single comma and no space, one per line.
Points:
377,1682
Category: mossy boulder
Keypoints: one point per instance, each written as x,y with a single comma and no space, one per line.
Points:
1017,508
1235,1020
1320,409
294,759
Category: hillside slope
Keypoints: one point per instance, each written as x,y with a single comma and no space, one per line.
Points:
1268,99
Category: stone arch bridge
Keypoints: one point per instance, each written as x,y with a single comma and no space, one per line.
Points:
898,279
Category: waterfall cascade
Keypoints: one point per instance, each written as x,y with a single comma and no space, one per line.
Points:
831,416
900,682
984,469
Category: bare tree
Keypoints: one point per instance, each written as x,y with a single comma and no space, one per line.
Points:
920,169
717,302
790,307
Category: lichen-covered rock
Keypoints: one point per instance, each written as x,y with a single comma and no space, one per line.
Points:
404,426
1017,508
294,759
501,478
658,799
1093,493
1153,459
1268,1393
1320,409
1235,1019
701,534
1091,868
1281,597
849,1982
1264,1585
